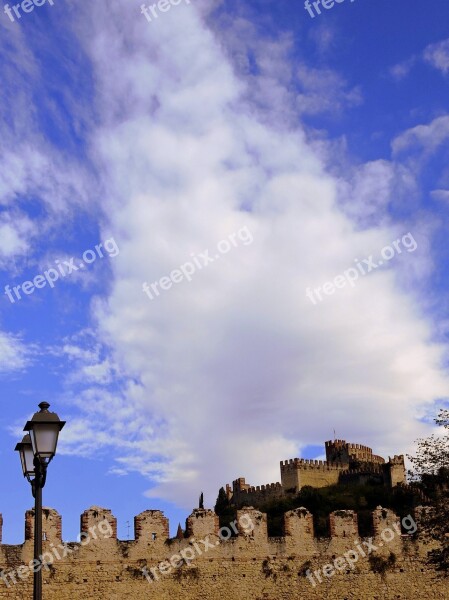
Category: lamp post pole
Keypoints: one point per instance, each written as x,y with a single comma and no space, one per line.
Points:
37,486
37,449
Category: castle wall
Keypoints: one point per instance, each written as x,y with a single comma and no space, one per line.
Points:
151,529
250,565
298,472
386,525
51,526
96,523
258,495
298,531
365,474
202,522
318,478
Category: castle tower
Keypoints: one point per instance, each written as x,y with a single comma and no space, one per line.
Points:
396,471
239,486
337,451
347,453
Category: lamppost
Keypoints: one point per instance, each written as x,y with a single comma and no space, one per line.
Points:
36,450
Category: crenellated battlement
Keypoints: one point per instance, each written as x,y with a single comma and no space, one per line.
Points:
398,459
348,452
262,488
151,527
209,560
306,463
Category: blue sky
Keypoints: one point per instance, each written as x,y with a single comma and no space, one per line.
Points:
326,138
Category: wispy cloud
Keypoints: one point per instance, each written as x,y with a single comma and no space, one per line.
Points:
401,70
325,91
437,55
442,195
14,355
425,138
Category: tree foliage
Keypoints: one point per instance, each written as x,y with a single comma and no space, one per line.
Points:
362,499
431,472
223,508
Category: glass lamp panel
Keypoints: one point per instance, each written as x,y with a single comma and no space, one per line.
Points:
22,460
27,458
44,438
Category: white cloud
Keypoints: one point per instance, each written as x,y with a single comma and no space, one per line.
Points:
86,357
237,369
324,91
14,236
13,354
324,37
437,55
442,195
425,138
400,70
368,191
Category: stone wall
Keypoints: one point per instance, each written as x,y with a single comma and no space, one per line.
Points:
247,495
248,564
298,472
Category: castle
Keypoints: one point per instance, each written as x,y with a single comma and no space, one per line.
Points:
208,561
345,463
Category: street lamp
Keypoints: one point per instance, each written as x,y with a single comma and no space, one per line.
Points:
26,456
36,450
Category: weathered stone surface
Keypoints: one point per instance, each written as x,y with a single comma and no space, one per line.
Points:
249,565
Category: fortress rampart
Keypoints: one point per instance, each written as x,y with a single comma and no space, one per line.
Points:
346,463
249,564
247,495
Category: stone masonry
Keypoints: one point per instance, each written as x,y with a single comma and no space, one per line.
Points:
247,565
345,463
